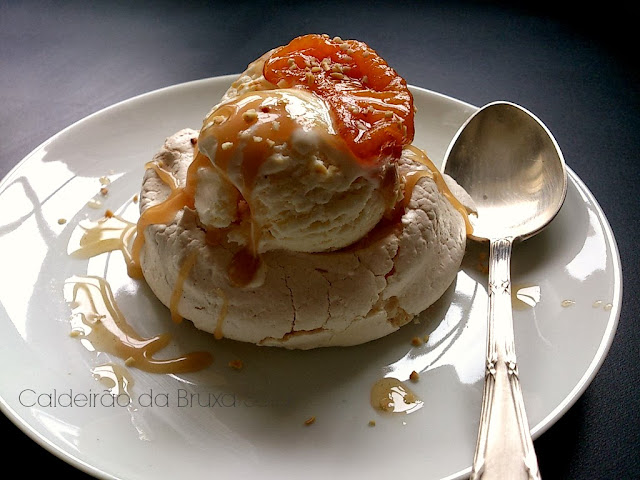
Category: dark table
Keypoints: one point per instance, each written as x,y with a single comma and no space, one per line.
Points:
60,61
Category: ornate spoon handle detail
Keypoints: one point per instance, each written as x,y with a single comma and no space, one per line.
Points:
504,449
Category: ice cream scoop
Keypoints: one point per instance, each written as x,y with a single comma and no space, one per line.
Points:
279,151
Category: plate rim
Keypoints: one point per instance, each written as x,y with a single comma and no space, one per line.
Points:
536,430
612,325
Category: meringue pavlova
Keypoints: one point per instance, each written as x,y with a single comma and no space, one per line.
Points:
300,215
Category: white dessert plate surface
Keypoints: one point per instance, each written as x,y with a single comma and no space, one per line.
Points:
250,423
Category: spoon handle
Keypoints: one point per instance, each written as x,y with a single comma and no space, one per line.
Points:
504,449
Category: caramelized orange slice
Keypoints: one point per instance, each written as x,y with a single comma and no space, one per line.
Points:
371,102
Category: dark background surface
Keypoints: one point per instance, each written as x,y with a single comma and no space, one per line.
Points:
577,71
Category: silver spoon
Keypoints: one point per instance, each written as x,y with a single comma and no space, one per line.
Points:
512,167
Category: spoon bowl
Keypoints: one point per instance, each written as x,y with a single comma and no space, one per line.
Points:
512,167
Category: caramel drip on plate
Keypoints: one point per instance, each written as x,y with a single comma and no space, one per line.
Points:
100,325
108,234
525,296
115,377
390,395
437,177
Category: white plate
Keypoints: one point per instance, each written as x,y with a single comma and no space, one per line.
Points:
250,423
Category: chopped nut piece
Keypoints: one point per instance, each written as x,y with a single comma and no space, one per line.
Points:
104,191
94,203
62,221
108,213
136,198
416,341
415,376
194,140
129,361
426,338
236,364
372,423
227,145
257,139
250,116
75,333
310,78
310,420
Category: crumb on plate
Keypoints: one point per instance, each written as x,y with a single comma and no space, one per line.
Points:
236,364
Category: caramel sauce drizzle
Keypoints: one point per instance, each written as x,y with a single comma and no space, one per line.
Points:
101,326
433,173
217,333
254,124
165,175
161,213
200,160
243,267
176,295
